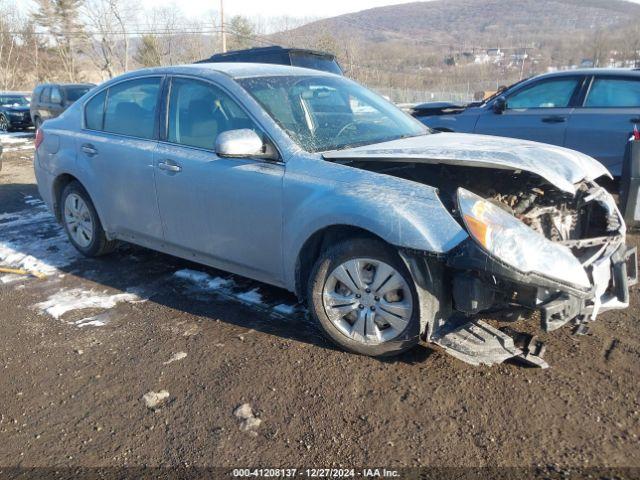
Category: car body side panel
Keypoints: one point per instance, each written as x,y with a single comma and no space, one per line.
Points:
463,122
320,194
602,133
547,125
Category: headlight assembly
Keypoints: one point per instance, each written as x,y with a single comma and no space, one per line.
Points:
511,241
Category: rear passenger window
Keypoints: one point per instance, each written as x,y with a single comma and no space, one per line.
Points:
131,108
94,112
56,97
612,92
199,112
45,96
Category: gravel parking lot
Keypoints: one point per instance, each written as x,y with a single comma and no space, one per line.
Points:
141,359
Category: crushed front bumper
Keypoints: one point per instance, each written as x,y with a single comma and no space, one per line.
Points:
612,276
487,283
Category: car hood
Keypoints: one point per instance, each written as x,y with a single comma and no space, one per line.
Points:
561,167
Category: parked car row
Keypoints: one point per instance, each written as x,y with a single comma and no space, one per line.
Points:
19,111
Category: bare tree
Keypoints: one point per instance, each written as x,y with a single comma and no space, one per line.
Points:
60,18
110,22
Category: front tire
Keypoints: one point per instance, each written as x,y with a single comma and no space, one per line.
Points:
5,126
364,299
81,222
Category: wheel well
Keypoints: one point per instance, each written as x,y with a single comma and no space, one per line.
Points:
319,242
58,186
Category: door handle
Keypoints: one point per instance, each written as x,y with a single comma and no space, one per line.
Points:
554,119
89,149
169,166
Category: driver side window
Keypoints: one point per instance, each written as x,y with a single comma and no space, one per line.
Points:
199,112
550,94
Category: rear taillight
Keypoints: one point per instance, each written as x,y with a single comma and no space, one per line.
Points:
39,137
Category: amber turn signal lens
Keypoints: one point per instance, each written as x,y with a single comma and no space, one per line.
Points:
478,229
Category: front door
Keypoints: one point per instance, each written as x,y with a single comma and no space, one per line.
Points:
224,211
538,112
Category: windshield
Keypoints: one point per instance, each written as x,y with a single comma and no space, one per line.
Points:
74,93
13,100
323,113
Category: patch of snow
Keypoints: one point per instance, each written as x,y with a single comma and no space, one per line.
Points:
252,296
76,299
154,399
99,320
284,309
176,357
249,422
15,137
10,278
21,147
203,280
32,240
18,219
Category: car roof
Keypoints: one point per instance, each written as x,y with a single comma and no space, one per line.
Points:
64,85
622,72
257,51
234,70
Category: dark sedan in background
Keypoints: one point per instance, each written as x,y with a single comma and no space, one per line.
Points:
593,111
14,112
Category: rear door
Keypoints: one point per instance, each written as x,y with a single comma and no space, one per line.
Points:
537,111
602,125
115,148
226,210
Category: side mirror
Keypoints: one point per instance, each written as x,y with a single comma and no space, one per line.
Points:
500,104
243,143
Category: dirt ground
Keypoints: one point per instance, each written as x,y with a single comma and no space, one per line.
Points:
82,347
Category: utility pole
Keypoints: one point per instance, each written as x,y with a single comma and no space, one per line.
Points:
224,36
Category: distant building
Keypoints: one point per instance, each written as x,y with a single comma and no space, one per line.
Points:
491,55
519,56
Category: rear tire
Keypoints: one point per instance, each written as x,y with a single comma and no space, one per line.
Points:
81,222
377,322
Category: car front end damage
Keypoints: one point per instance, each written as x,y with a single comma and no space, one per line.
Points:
560,256
551,250
569,263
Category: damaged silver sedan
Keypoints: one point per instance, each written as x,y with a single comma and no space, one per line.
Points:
392,234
